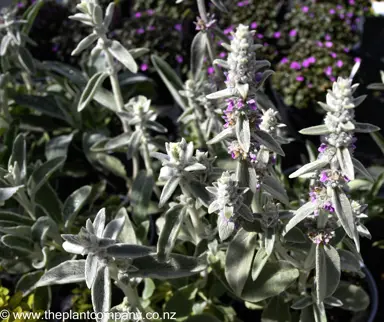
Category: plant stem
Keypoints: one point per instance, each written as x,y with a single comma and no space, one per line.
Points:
133,298
149,166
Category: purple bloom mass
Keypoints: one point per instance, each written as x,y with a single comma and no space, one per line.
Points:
305,9
322,148
295,65
324,176
293,33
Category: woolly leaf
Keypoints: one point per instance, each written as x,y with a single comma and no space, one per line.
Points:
365,128
198,49
71,271
259,262
310,167
123,56
238,260
303,212
315,130
277,310
90,89
101,294
345,161
243,132
168,190
268,141
74,203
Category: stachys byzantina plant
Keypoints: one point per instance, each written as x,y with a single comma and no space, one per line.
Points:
330,213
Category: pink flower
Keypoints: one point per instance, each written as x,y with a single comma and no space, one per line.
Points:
277,34
150,12
260,36
328,71
253,25
284,60
357,59
138,14
339,63
210,70
305,9
333,55
293,33
178,27
140,31
300,78
179,59
328,44
332,11
223,54
322,148
295,65
144,67
324,176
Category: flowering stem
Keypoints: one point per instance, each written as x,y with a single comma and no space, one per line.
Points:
133,298
149,166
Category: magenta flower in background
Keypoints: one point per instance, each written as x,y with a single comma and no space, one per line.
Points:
223,54
332,11
143,67
253,25
295,65
339,63
20,5
260,36
150,12
210,70
151,28
293,33
178,27
323,176
305,9
306,63
339,7
346,50
357,60
284,60
333,55
327,37
310,85
55,48
319,44
140,31
277,34
351,2
138,14
300,78
179,59
328,44
328,71
228,30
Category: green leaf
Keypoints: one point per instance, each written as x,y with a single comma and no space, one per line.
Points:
168,190
354,297
379,139
345,162
359,167
178,266
8,192
26,60
259,262
47,197
268,141
19,155
134,143
238,260
123,56
315,130
182,301
90,89
344,213
198,50
173,220
313,166
10,216
74,203
225,227
85,43
26,283
101,293
170,79
141,193
149,289
327,271
71,271
118,141
223,135
111,164
58,146
274,279
127,234
243,132
277,310
348,261
365,128
274,187
302,302
129,251
43,104
42,299
42,174
30,15
18,243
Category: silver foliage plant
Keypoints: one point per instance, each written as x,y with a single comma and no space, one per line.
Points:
233,212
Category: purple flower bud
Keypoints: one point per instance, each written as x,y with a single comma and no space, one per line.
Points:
210,70
179,59
324,176
319,44
293,33
144,67
295,65
138,14
253,25
322,148
277,34
351,2
252,104
223,54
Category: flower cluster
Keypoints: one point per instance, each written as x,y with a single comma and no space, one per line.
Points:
321,235
227,194
319,197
